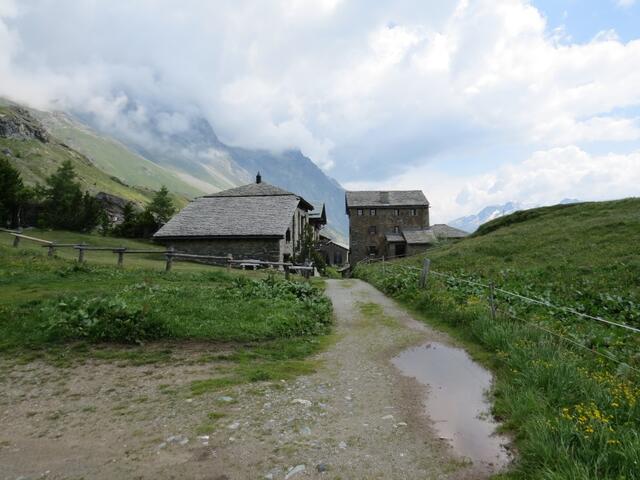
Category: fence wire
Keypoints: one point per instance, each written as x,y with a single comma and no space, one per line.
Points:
521,297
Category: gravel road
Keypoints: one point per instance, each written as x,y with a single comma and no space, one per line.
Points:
355,418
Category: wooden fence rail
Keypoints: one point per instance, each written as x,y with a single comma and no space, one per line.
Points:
170,254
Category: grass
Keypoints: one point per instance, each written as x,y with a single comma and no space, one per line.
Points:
56,310
574,414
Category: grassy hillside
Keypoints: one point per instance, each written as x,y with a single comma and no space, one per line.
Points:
36,159
572,402
114,158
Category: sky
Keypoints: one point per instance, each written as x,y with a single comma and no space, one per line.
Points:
476,102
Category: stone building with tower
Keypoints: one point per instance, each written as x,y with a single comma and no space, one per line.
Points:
387,223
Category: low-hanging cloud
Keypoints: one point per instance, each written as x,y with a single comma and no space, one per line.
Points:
368,90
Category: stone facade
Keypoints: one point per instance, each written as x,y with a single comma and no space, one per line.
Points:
368,228
334,254
268,250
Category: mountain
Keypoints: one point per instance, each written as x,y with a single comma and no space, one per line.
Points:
36,154
471,223
186,145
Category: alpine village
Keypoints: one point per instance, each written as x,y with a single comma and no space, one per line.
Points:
187,292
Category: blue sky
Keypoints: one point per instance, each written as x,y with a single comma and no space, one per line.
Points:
582,19
476,102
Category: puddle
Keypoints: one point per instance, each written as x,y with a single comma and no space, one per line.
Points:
456,401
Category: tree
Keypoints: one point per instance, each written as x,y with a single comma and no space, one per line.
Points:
13,194
65,205
161,207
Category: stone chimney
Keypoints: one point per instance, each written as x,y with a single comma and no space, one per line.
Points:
258,178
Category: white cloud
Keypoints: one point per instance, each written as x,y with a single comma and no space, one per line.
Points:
371,88
625,3
546,177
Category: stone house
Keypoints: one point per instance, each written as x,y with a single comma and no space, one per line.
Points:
387,223
257,221
333,251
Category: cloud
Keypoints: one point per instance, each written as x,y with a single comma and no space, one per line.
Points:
368,90
546,177
625,3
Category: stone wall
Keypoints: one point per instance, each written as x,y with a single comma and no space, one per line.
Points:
267,250
384,220
415,249
329,251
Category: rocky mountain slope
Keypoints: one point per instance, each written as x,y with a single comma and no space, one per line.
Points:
37,154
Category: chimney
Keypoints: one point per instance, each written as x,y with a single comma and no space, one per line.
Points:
258,178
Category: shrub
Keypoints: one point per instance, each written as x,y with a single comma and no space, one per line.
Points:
101,320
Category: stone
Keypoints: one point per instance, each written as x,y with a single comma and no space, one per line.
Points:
387,417
322,467
177,439
342,445
225,399
305,431
234,426
294,471
401,424
301,401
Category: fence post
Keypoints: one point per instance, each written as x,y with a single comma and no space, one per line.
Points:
492,300
81,253
16,241
384,267
121,256
229,259
286,272
51,250
425,272
167,268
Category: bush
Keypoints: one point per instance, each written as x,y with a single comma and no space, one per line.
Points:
101,320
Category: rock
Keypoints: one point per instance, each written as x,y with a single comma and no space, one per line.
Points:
269,476
322,467
305,431
7,152
342,445
234,426
177,439
225,399
401,424
387,417
294,471
301,401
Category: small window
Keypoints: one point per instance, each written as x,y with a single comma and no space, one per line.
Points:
287,257
372,230
373,250
337,258
360,212
414,212
396,229
372,212
288,235
396,212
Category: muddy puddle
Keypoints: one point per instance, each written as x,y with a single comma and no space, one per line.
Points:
456,402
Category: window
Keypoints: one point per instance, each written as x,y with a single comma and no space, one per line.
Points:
396,212
414,212
396,229
372,212
372,230
360,212
373,250
287,257
337,258
287,235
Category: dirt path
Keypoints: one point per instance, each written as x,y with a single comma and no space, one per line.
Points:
355,418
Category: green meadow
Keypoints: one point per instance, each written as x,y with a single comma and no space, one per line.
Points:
572,403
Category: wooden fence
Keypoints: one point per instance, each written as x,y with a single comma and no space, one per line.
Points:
170,254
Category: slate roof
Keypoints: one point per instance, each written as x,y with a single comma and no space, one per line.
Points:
442,231
255,210
419,237
262,189
393,198
394,237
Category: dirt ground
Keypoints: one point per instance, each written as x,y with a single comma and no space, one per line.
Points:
355,418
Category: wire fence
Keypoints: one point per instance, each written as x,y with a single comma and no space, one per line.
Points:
492,290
